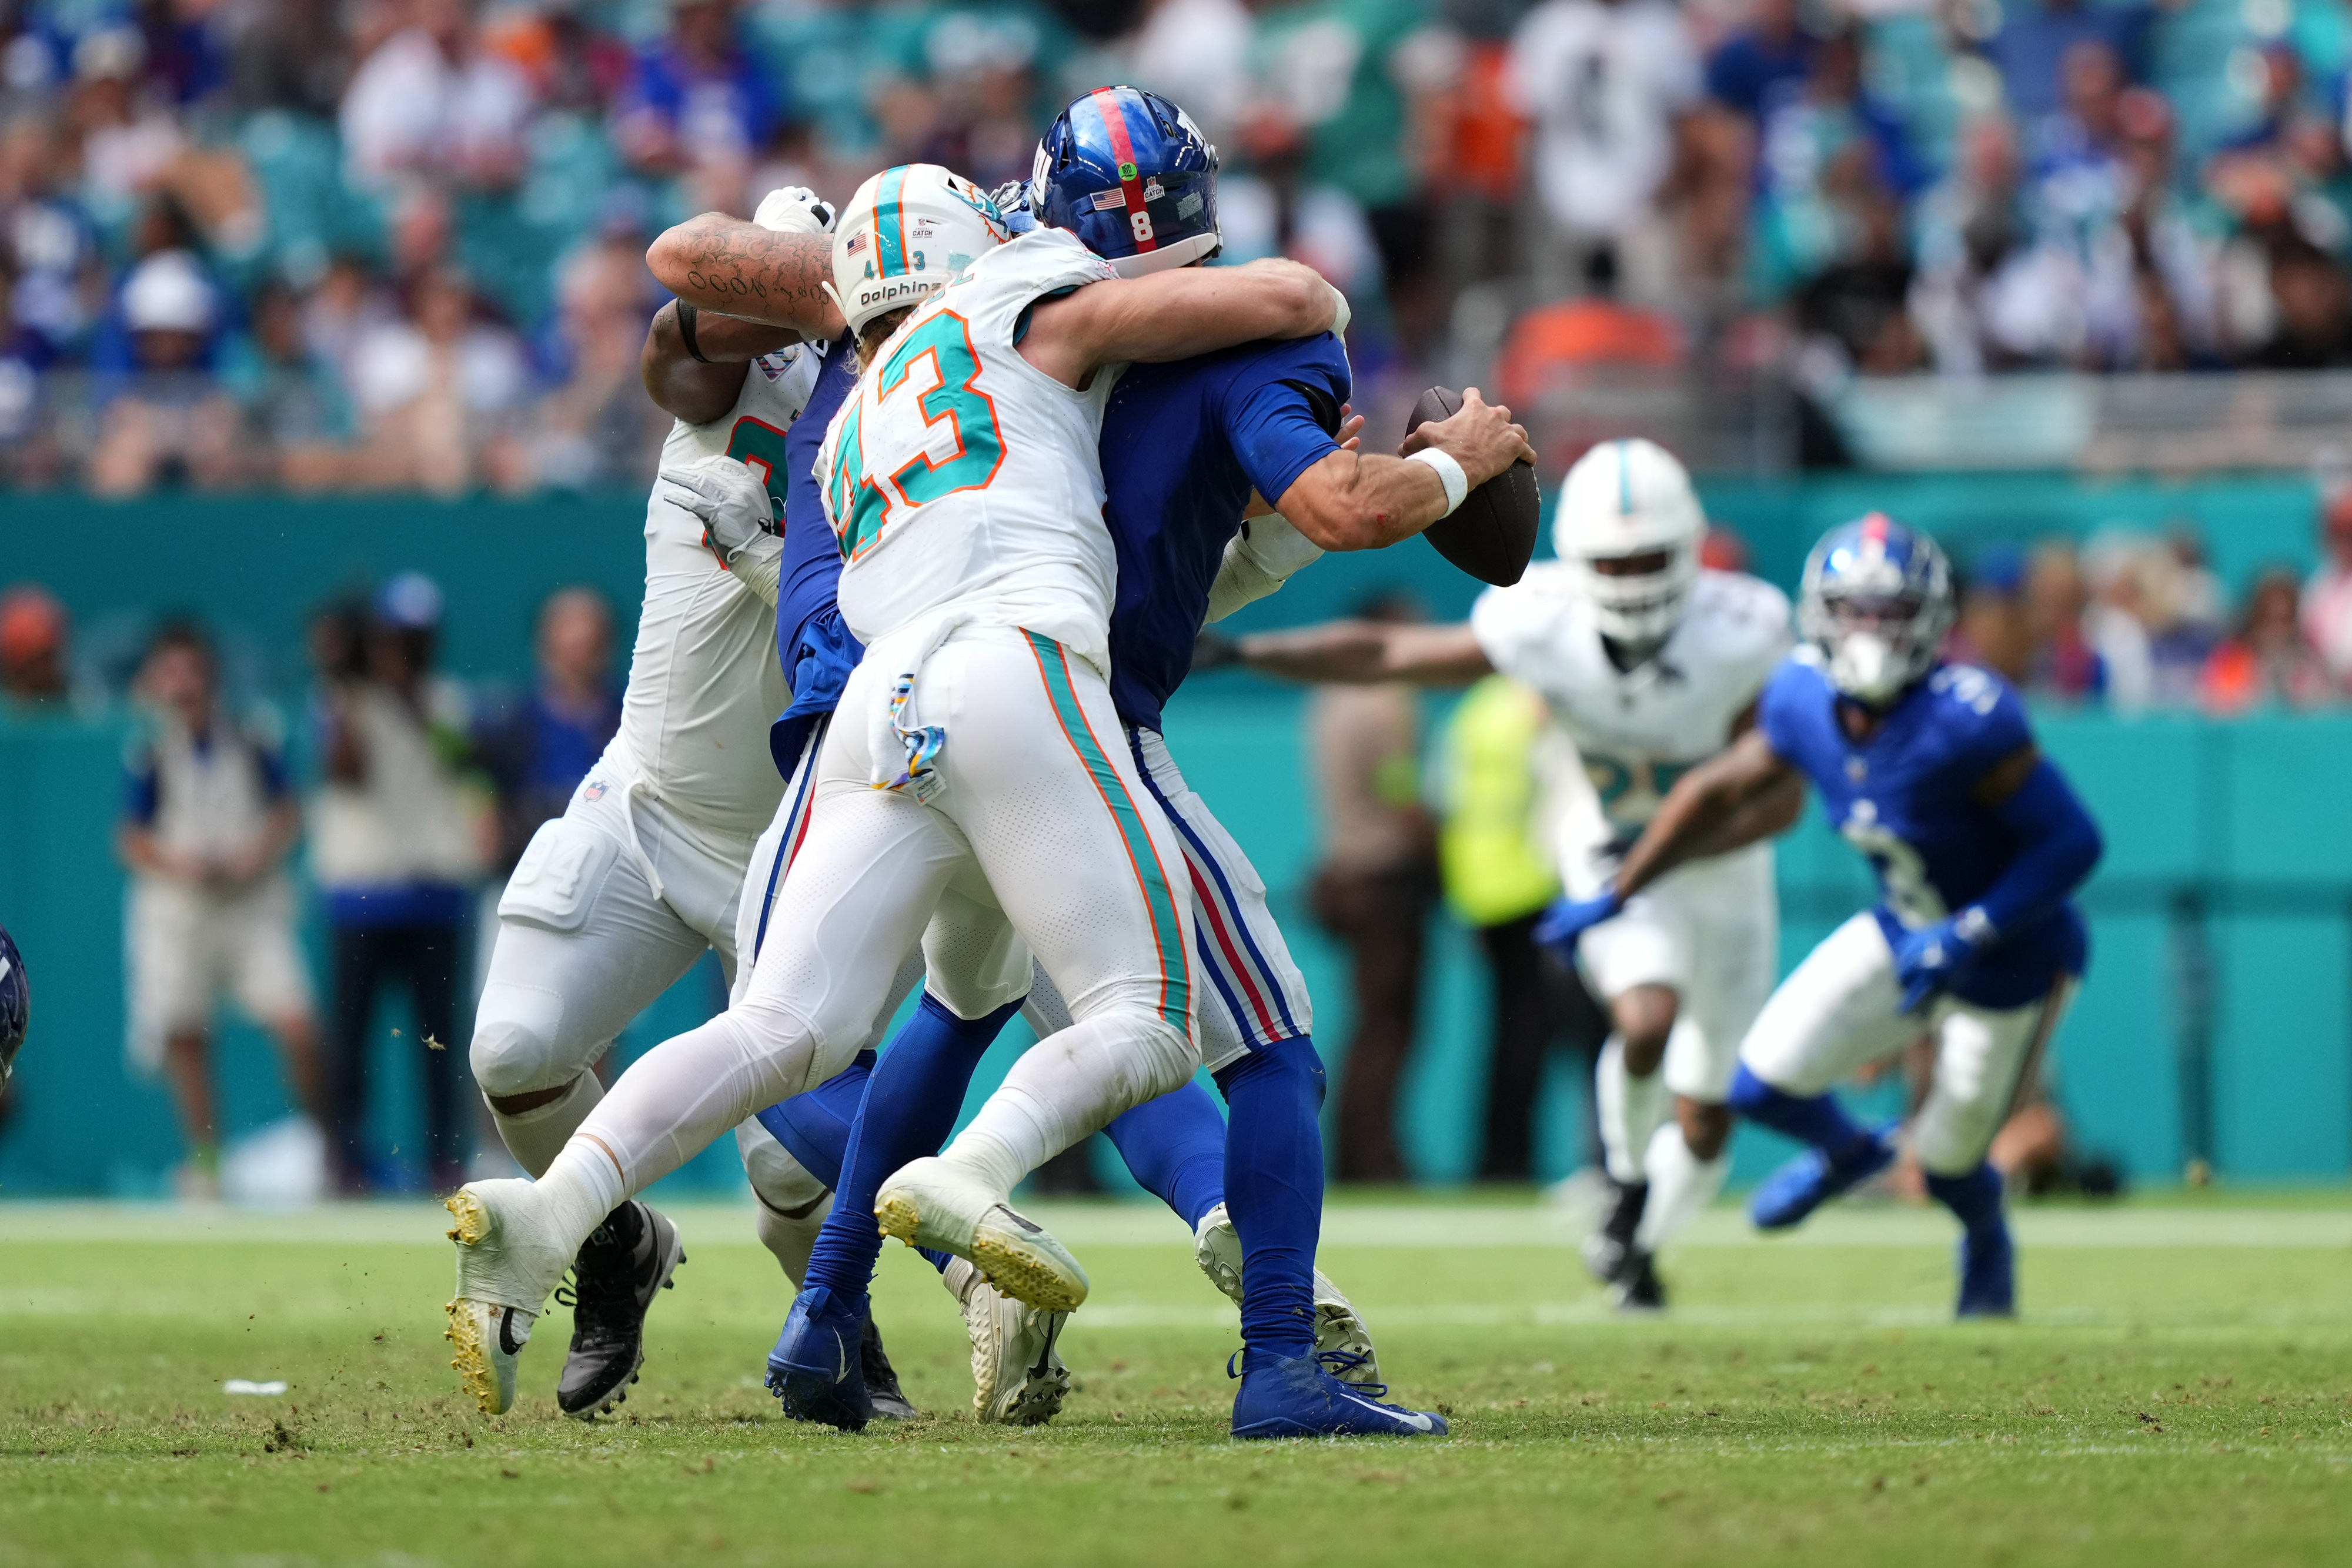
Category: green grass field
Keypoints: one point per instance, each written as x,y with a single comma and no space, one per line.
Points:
2179,1390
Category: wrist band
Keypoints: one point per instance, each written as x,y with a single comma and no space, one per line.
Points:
685,330
1449,472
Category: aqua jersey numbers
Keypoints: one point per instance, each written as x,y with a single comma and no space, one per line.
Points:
932,432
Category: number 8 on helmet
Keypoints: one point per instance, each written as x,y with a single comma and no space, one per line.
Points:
1131,174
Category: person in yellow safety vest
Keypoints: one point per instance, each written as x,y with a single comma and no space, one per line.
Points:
1497,880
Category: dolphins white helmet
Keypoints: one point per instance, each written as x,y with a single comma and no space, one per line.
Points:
1628,529
906,235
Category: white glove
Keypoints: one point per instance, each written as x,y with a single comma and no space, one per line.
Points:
795,210
732,504
1258,561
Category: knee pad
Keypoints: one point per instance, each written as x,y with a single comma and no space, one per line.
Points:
519,1044
1170,1059
783,1184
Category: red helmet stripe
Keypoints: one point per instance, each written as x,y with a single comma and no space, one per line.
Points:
1105,101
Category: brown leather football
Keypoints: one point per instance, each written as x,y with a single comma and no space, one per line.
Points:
1492,534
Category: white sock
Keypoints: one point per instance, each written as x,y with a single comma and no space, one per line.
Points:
788,1201
681,1095
791,1237
1629,1109
580,1188
1681,1184
534,1138
1066,1086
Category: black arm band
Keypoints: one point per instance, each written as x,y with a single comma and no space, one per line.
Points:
686,314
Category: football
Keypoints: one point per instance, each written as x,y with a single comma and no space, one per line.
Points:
1492,534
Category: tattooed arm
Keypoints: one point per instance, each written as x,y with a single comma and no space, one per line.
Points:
717,263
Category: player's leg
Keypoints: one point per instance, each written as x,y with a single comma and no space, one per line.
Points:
1734,950
790,1201
1837,1009
855,902
568,970
977,971
1083,863
1301,1334
1255,1024
1983,1056
1639,964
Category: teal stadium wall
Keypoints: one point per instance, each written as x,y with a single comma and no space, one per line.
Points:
2218,1018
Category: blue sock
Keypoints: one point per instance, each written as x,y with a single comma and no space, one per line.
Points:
911,1100
1974,1198
1814,1119
814,1127
1274,1188
1175,1147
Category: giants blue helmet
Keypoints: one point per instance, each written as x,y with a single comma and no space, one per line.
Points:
1877,599
1131,174
15,1004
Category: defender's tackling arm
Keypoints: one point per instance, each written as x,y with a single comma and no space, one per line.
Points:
717,263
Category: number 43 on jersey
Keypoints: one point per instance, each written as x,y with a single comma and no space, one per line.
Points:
916,430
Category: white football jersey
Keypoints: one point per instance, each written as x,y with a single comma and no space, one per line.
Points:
1636,731
965,485
705,681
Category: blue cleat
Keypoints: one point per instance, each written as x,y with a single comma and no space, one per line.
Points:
1987,1272
1813,1178
1297,1396
816,1372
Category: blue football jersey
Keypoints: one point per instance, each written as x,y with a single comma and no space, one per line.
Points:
816,650
1183,446
1903,799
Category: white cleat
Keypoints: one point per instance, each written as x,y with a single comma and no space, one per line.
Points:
1339,1330
931,1203
1017,1373
503,1276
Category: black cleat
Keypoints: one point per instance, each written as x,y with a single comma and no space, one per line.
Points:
628,1258
891,1401
1611,1241
1636,1287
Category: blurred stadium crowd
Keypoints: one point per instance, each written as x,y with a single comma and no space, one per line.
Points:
396,243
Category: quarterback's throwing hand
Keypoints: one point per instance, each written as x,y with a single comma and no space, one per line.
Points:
1570,918
731,501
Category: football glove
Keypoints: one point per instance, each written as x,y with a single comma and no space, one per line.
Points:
1928,960
1012,202
732,502
1570,918
795,210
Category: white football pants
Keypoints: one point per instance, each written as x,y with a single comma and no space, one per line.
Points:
1710,932
586,944
1840,1008
1036,836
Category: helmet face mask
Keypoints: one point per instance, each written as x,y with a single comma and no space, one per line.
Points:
1131,174
1877,599
1628,529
